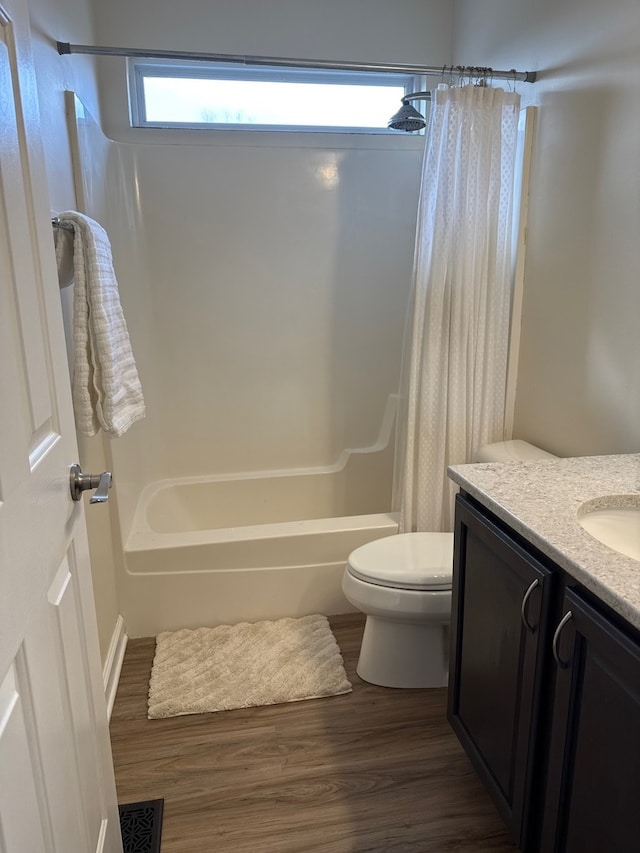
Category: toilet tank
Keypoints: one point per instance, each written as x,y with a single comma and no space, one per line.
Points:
512,451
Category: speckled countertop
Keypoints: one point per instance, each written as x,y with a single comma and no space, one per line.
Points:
540,500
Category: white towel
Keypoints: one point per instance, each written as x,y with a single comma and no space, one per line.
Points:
106,389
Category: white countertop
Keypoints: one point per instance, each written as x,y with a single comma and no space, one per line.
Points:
540,500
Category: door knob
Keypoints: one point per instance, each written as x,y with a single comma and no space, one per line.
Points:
80,482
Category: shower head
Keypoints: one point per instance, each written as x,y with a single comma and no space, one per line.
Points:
408,118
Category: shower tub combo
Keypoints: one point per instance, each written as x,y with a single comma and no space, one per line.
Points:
220,550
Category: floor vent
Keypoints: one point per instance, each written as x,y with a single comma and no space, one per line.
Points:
141,825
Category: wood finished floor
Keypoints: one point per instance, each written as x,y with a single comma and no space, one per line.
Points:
374,771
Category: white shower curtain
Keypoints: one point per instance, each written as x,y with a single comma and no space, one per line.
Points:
456,340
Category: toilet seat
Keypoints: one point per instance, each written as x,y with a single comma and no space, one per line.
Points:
412,561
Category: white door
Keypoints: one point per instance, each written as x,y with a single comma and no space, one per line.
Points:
57,790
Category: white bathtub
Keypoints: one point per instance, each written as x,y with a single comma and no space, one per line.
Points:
219,551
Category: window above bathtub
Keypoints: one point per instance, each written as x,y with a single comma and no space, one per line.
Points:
200,95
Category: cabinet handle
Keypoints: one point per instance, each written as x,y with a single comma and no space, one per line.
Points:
556,638
525,601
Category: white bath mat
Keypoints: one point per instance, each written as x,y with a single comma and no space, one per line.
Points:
240,666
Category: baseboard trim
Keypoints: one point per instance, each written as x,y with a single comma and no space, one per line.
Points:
113,663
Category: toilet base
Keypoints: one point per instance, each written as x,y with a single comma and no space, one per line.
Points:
404,654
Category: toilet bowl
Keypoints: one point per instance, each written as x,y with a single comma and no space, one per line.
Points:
403,585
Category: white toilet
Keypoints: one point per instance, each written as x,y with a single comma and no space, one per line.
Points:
403,584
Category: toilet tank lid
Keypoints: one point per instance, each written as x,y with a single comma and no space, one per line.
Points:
406,561
512,451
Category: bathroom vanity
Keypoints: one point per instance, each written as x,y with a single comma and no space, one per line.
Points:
547,704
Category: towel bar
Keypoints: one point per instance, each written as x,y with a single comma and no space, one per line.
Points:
55,222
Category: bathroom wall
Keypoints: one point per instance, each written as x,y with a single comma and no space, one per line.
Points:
396,31
578,388
334,188
104,174
280,264
72,20
280,279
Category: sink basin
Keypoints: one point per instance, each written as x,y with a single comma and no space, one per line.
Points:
615,521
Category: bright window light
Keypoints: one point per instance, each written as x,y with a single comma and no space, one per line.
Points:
177,95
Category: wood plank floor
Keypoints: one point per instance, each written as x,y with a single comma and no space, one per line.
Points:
376,770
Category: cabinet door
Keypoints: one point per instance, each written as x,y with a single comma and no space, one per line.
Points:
499,626
593,787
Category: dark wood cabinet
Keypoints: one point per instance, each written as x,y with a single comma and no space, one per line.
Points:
549,716
593,783
500,623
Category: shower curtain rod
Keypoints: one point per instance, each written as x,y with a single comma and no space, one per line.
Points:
465,70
